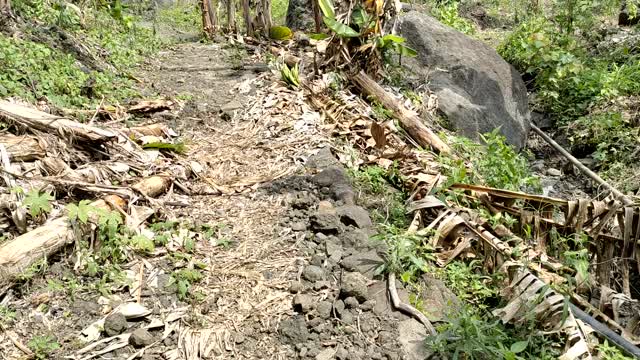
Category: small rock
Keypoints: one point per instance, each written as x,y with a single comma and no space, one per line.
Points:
313,273
318,260
354,284
302,303
319,285
537,166
140,338
351,302
334,251
231,106
330,176
354,215
344,193
354,238
296,287
368,305
294,330
115,324
239,339
338,307
303,352
342,353
324,309
363,262
326,222
554,172
326,354
298,226
347,317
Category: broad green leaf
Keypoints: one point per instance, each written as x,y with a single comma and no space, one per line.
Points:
339,28
393,38
37,203
518,347
360,18
327,8
318,36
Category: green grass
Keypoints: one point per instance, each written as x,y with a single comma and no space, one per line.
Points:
279,11
184,17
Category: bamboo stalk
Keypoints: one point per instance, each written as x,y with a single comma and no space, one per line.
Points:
409,120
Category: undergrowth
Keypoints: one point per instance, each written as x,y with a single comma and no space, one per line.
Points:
493,163
35,71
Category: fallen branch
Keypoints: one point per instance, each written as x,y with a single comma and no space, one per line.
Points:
408,309
581,166
67,129
408,119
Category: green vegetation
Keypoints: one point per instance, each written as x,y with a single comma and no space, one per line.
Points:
43,346
383,193
494,164
185,17
34,71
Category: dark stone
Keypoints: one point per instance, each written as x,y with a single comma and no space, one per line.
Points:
326,222
354,216
364,262
625,18
354,285
338,307
324,309
140,338
313,273
477,90
331,176
294,331
351,302
115,324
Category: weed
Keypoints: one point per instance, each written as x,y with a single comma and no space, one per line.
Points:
407,254
469,285
290,75
37,203
7,317
43,346
184,280
447,13
608,352
494,164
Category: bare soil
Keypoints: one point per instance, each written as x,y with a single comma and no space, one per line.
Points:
287,263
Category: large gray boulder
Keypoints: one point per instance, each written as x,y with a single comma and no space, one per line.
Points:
477,90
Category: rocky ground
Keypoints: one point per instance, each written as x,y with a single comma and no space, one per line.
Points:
280,266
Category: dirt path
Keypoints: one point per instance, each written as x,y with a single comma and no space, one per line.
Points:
270,259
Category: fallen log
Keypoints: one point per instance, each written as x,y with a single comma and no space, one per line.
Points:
23,148
408,119
65,128
17,255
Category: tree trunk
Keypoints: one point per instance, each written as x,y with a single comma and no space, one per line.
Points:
209,19
317,18
246,12
231,15
408,120
266,12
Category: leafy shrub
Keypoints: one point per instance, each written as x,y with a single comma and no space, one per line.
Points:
185,17
494,164
448,14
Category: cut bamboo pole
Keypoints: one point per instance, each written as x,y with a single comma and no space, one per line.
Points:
67,129
23,148
408,119
17,255
625,199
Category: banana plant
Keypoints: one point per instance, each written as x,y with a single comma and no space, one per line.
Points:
364,26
